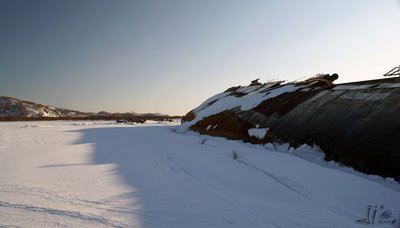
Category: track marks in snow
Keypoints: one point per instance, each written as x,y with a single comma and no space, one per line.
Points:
51,196
179,169
176,167
78,211
64,213
284,181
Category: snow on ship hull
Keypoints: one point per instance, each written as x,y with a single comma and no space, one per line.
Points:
355,124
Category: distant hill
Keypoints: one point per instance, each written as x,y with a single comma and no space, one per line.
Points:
12,107
16,109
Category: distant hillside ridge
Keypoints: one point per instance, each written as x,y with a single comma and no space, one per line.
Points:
13,109
355,124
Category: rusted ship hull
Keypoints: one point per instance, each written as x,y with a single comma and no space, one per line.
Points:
356,124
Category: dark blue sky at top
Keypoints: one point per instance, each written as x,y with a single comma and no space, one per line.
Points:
168,56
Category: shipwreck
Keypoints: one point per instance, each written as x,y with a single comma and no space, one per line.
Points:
355,124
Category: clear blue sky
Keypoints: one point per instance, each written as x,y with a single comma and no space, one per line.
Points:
168,56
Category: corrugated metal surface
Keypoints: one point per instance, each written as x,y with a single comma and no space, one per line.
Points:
358,127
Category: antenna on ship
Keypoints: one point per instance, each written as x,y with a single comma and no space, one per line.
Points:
393,72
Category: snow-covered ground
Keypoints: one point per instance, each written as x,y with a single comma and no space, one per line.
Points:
99,174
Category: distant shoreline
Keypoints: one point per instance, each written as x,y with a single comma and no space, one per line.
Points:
136,119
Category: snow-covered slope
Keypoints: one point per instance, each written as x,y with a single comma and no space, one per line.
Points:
98,174
12,107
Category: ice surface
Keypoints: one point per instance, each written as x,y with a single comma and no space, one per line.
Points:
73,174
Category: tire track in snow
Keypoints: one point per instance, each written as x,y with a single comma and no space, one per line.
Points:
53,196
177,168
57,212
279,180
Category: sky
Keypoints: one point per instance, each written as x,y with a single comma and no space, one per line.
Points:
168,56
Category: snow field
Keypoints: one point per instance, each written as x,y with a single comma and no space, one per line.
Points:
75,174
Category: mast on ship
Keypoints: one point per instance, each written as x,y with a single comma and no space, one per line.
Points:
393,72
